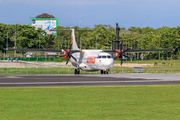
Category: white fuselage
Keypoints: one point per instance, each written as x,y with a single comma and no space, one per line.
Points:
92,60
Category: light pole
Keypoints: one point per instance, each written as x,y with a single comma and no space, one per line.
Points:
65,43
96,40
58,43
159,45
39,48
6,44
80,43
39,42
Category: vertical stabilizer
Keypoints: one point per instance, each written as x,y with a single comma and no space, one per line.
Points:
73,41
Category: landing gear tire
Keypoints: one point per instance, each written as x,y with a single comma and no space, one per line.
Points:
76,71
104,72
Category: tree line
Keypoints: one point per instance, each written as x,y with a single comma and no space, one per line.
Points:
26,36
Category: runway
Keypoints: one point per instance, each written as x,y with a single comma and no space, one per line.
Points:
88,80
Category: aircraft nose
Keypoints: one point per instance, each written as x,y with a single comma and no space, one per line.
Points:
109,63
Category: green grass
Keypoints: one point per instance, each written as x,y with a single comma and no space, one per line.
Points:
91,103
159,66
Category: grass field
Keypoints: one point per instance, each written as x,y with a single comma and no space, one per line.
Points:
159,66
91,103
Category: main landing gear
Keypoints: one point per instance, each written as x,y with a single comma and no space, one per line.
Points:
104,72
76,71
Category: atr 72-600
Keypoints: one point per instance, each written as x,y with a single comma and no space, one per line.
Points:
91,60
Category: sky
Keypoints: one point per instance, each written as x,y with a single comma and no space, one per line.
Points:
87,13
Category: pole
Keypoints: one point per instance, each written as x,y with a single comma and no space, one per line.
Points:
107,43
96,42
68,42
58,42
6,44
39,42
15,42
62,41
159,45
138,48
65,43
80,43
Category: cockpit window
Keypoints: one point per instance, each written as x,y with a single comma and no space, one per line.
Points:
103,56
98,57
108,56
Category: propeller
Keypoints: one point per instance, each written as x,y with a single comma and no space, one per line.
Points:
121,52
69,53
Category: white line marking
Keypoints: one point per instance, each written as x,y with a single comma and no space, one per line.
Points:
87,82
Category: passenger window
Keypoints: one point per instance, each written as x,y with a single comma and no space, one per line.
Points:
103,56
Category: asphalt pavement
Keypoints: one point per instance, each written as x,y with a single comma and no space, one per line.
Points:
88,80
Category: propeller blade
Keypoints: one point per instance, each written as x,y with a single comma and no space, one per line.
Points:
74,51
70,46
126,50
67,60
117,56
121,60
121,45
126,56
74,58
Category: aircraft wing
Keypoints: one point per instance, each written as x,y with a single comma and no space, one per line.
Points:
141,50
148,50
38,50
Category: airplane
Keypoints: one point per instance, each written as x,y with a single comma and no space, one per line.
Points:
91,60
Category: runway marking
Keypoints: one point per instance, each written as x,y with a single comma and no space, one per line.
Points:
45,83
11,77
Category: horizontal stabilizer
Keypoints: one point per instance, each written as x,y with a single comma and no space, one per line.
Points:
39,50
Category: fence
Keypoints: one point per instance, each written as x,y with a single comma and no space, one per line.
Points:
57,59
35,59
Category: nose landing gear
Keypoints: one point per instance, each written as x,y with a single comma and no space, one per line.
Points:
76,71
104,71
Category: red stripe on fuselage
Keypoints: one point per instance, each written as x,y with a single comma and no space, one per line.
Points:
90,60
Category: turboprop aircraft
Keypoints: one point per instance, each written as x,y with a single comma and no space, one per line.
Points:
95,60
91,60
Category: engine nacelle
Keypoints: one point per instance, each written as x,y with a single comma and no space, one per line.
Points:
116,53
64,52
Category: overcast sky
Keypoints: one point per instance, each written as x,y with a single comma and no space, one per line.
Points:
87,13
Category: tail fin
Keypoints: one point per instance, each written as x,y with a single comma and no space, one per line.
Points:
73,41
